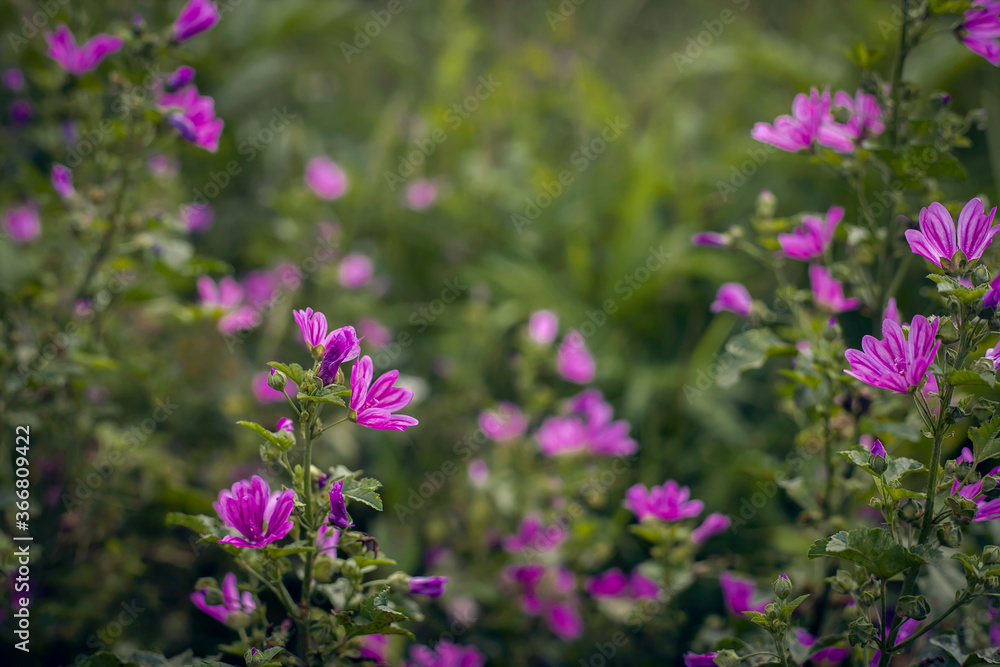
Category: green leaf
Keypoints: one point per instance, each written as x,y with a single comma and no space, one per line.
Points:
381,617
282,442
282,552
950,645
200,524
294,372
971,379
757,617
365,562
321,399
791,605
872,548
898,467
750,350
107,659
363,490
949,6
987,656
986,440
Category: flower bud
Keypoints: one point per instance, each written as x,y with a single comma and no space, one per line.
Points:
991,554
950,535
878,464
980,276
909,510
913,606
860,632
782,587
867,598
875,504
277,380
989,483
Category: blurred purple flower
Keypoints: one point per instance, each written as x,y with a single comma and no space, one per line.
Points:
896,363
565,622
980,29
326,178
373,647
562,435
669,502
604,437
733,297
829,293
811,239
374,332
21,112
197,217
341,345
699,659
193,116
421,194
181,77
62,181
738,594
284,424
833,655
865,120
987,510
372,404
162,166
260,516
710,240
614,583
13,78
355,271
263,391
573,361
906,630
938,239
504,424
22,223
78,60
445,654
338,507
227,294
713,524
543,327
233,602
196,17
260,288
532,535
430,586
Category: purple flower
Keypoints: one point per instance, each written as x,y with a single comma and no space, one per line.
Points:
285,424
938,240
699,659
62,181
548,592
313,326
341,345
326,178
181,77
610,584
338,507
604,437
669,502
260,516
798,131
564,621
421,194
641,587
13,78
865,121
992,297
162,166
21,112
197,217
896,363
733,297
877,449
906,630
479,473
713,524
372,403
374,332
233,602
543,327
993,354
79,60
505,424
260,288
829,293
892,311
562,435
446,654
22,223
430,586
227,294
373,647
738,594
986,510
811,239
573,361
980,29
355,271
833,655
533,535
193,116
196,17
710,240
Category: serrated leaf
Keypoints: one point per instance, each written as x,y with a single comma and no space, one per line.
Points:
757,617
363,490
986,440
791,605
282,442
872,548
294,372
897,466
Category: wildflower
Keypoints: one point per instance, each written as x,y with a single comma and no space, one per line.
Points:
284,424
313,326
713,524
738,594
326,178
13,78
505,424
896,363
21,112
986,510
62,181
892,311
260,287
548,592
79,60
430,586
181,77
373,647
446,654
992,297
573,361
162,166
710,240
233,602
374,332
733,297
421,194
341,345
877,449
616,584
980,28
355,271
22,223
798,131
699,659
865,120
937,240
197,217
193,116
811,239
533,535
604,437
833,655
669,502
260,516
561,435
196,17
338,507
993,354
829,293
543,327
372,403
263,392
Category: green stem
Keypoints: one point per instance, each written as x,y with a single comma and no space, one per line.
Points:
339,421
282,594
307,577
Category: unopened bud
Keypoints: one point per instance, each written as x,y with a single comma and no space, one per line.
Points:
782,587
991,554
950,535
277,380
913,606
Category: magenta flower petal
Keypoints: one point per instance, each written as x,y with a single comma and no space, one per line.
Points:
326,178
733,297
975,228
196,17
261,517
374,403
573,361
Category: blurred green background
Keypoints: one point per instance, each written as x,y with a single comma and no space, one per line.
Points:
685,80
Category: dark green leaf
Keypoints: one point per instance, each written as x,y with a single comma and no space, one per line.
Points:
872,548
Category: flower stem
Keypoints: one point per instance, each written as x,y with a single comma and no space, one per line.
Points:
307,576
